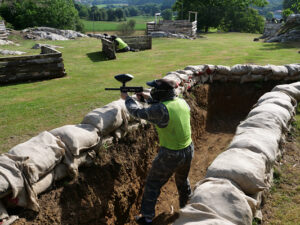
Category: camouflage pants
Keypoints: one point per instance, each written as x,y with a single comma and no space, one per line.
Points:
166,163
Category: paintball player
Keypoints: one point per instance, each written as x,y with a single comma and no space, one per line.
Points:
171,116
121,45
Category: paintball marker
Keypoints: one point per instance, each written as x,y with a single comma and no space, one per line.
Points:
124,78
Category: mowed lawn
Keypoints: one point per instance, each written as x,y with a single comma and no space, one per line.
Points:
27,109
99,26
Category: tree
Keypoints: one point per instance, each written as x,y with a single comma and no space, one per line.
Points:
127,28
211,13
133,11
167,14
111,15
270,16
53,13
119,13
293,5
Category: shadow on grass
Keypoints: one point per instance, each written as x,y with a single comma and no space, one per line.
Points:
97,56
277,46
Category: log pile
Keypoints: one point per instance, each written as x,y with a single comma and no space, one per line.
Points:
3,32
49,64
173,26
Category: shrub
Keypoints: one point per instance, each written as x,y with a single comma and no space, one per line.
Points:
125,29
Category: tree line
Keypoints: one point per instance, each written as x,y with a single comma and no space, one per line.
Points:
227,15
59,14
95,13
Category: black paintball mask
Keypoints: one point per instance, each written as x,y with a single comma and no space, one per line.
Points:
162,90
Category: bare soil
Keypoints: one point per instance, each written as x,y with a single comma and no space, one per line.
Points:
110,191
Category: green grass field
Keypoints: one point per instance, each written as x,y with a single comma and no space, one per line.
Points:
99,26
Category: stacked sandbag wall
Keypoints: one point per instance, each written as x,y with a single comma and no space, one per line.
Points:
49,64
236,180
32,167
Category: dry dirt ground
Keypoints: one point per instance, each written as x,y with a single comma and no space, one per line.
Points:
110,191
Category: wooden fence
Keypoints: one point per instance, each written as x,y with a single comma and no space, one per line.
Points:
136,42
49,64
173,26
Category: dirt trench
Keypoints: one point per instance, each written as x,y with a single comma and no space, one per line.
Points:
110,191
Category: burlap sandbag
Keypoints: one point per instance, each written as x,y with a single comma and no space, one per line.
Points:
58,173
242,166
263,120
281,113
281,102
260,70
108,118
223,197
11,178
289,89
225,70
240,69
279,71
199,214
275,94
174,77
77,137
294,69
259,142
44,152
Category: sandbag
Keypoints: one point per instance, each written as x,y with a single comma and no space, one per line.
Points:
77,137
74,162
281,102
289,89
279,71
242,166
294,69
186,72
199,214
223,197
44,152
281,113
173,76
296,85
226,70
3,212
275,94
108,118
260,70
195,69
259,142
264,120
58,173
11,178
209,69
240,69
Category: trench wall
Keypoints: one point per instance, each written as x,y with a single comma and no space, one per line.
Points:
126,146
49,64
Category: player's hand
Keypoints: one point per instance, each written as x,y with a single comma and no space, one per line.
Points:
142,94
124,95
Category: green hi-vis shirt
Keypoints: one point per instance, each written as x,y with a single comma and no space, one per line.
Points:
177,134
122,44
